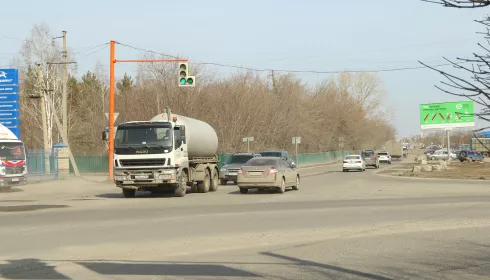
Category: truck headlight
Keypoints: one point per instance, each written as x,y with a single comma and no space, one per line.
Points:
165,176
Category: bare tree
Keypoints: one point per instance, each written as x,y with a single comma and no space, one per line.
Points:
461,3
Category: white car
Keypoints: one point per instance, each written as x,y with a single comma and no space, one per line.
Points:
384,157
354,162
442,154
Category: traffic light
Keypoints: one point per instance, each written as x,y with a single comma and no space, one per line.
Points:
184,79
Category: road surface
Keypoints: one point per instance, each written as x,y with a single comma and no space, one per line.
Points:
354,225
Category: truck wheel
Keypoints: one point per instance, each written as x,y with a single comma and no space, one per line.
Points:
203,187
128,193
181,187
214,181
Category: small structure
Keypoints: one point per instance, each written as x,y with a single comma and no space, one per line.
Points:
63,158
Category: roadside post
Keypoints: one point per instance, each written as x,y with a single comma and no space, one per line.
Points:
296,141
248,140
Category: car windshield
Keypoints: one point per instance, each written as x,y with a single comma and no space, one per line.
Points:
12,151
352,157
240,159
138,136
271,154
262,162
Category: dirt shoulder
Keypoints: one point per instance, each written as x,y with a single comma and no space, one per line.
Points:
455,170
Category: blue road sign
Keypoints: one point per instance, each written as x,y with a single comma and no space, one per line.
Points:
16,131
9,76
10,123
9,114
9,97
9,89
9,106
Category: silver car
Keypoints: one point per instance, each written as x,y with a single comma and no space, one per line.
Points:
229,170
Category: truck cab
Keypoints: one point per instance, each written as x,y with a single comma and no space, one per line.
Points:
13,164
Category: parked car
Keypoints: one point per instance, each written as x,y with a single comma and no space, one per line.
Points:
384,157
370,158
278,153
229,170
441,154
267,173
470,155
354,162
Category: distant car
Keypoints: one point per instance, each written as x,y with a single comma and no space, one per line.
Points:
469,155
267,173
354,162
229,171
441,154
384,157
278,153
370,158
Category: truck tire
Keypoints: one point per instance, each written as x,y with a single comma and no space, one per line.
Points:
181,188
128,193
203,187
214,181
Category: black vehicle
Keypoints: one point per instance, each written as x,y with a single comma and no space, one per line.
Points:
229,170
279,153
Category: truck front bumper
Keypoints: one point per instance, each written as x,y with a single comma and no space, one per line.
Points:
128,178
13,181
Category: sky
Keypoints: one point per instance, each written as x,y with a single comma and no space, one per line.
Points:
300,35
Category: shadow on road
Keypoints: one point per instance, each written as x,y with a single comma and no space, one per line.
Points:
259,192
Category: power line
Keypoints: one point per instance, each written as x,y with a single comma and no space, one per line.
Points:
299,71
43,44
98,47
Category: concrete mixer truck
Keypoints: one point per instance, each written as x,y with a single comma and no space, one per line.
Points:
169,152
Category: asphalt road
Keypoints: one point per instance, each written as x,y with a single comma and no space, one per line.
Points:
354,225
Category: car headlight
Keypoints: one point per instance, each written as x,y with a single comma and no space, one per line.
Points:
223,169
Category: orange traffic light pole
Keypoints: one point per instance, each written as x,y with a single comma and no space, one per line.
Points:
111,97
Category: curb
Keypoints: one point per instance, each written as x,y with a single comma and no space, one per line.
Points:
426,179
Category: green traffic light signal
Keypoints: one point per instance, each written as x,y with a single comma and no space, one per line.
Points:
182,81
190,81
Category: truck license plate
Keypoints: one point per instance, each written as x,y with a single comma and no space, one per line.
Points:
141,177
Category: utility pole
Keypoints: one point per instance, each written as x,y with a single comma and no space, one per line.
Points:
65,83
273,81
41,89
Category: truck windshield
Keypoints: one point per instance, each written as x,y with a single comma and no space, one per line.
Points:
144,136
12,151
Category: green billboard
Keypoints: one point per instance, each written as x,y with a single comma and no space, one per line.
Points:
447,115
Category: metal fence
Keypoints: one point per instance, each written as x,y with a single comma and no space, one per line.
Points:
98,164
37,169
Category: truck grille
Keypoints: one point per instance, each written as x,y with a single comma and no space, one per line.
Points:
142,162
10,170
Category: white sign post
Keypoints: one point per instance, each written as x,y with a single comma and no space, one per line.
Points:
248,140
296,140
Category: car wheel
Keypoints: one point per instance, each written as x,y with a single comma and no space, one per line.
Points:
282,188
243,190
296,187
